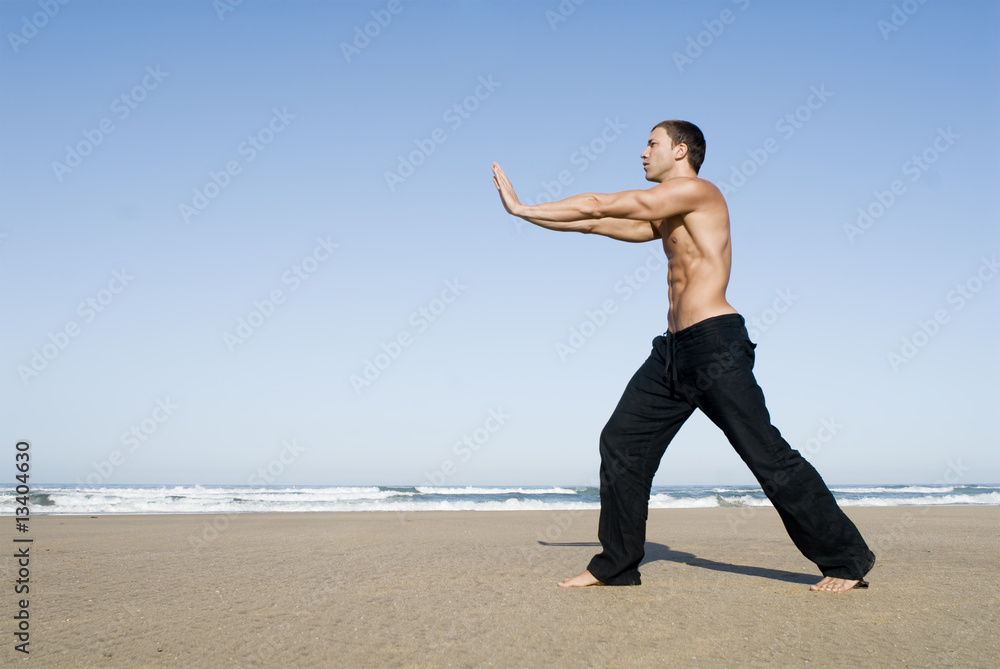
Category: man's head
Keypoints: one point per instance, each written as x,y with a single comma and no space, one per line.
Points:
675,148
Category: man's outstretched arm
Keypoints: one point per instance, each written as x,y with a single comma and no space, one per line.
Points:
622,229
671,198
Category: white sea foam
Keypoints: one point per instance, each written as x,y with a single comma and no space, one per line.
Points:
265,499
469,505
665,501
927,500
902,489
152,507
744,500
470,490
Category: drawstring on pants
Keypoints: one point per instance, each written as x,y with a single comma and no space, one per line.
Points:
671,354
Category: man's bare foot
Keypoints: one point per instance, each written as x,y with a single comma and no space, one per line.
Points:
579,581
831,584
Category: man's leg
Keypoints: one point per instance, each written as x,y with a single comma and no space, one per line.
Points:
729,395
647,417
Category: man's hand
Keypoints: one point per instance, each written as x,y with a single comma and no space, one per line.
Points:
506,190
626,230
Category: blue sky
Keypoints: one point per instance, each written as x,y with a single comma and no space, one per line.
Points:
216,222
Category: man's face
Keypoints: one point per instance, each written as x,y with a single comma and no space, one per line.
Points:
658,158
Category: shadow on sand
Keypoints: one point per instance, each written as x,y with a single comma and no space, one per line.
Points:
656,552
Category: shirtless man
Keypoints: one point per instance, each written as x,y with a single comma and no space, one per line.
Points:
703,361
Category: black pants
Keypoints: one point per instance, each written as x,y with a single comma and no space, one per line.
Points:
709,366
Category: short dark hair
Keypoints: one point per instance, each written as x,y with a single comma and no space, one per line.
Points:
682,132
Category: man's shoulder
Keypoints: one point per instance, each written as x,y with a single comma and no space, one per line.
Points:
699,190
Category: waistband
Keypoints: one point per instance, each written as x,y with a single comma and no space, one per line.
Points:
699,329
708,325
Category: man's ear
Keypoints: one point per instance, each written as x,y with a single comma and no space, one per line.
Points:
680,151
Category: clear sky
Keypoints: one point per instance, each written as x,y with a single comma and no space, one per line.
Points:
256,235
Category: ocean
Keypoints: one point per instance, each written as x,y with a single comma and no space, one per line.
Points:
157,499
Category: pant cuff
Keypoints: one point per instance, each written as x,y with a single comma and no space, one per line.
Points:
629,577
853,572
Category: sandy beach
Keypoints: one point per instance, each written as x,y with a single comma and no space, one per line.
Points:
721,588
